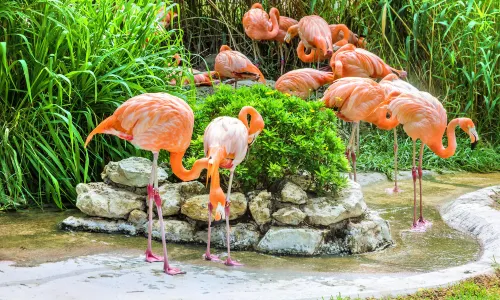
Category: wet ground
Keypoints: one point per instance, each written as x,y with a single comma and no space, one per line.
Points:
30,238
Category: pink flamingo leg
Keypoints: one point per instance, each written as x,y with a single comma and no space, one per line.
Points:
422,223
207,255
166,267
150,257
229,261
414,176
396,189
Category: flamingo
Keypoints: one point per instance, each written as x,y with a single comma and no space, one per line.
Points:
314,32
393,87
153,122
350,61
165,18
302,81
226,141
424,117
354,99
235,65
258,25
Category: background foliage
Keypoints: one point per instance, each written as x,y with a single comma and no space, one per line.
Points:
298,135
64,65
449,48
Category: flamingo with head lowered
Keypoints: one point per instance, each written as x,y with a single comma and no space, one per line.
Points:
235,65
153,122
424,118
226,141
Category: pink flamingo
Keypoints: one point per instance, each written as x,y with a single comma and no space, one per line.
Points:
153,122
226,141
424,117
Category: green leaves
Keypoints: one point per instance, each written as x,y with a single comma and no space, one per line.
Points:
298,136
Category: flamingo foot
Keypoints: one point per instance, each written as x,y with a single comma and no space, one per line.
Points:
394,190
150,257
211,257
231,263
421,226
173,271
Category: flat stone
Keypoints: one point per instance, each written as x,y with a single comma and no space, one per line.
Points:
138,217
260,208
171,199
191,188
293,193
101,200
196,207
295,241
175,231
325,211
132,171
98,225
289,216
244,236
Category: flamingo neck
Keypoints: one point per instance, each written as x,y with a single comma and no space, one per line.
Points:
274,15
379,118
303,56
179,170
256,121
439,148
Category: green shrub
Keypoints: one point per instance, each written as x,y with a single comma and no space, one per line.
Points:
64,66
298,135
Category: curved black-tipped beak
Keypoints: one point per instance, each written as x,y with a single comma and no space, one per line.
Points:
473,144
218,222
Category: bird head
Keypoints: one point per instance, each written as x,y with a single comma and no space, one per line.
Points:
218,200
468,126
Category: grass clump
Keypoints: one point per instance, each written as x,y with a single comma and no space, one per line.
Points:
298,136
64,66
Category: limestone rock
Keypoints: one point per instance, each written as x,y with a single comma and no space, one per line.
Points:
196,207
170,198
138,217
175,231
289,215
326,210
243,236
98,225
296,241
293,193
303,180
191,188
260,207
101,200
132,171
370,234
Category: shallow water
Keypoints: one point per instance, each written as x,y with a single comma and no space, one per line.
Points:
32,237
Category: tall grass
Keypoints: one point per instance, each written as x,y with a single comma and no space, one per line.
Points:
449,48
64,65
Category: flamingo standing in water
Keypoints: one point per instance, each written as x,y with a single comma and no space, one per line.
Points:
424,117
153,122
314,32
226,141
235,65
350,61
354,99
259,25
302,82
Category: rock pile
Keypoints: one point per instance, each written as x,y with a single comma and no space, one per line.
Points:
290,221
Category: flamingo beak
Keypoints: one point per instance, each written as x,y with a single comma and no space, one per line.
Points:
474,137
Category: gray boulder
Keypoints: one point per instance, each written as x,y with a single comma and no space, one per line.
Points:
243,236
132,171
325,211
101,200
289,216
295,241
260,208
196,207
138,217
292,193
175,231
370,234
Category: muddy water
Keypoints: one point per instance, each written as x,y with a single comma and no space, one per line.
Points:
32,237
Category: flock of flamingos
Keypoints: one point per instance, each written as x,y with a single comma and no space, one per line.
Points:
155,121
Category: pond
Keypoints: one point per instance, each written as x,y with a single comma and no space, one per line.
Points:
32,237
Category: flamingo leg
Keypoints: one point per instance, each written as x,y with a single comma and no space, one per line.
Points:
421,221
254,44
229,261
414,176
282,58
207,255
396,188
166,267
349,148
353,149
150,257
